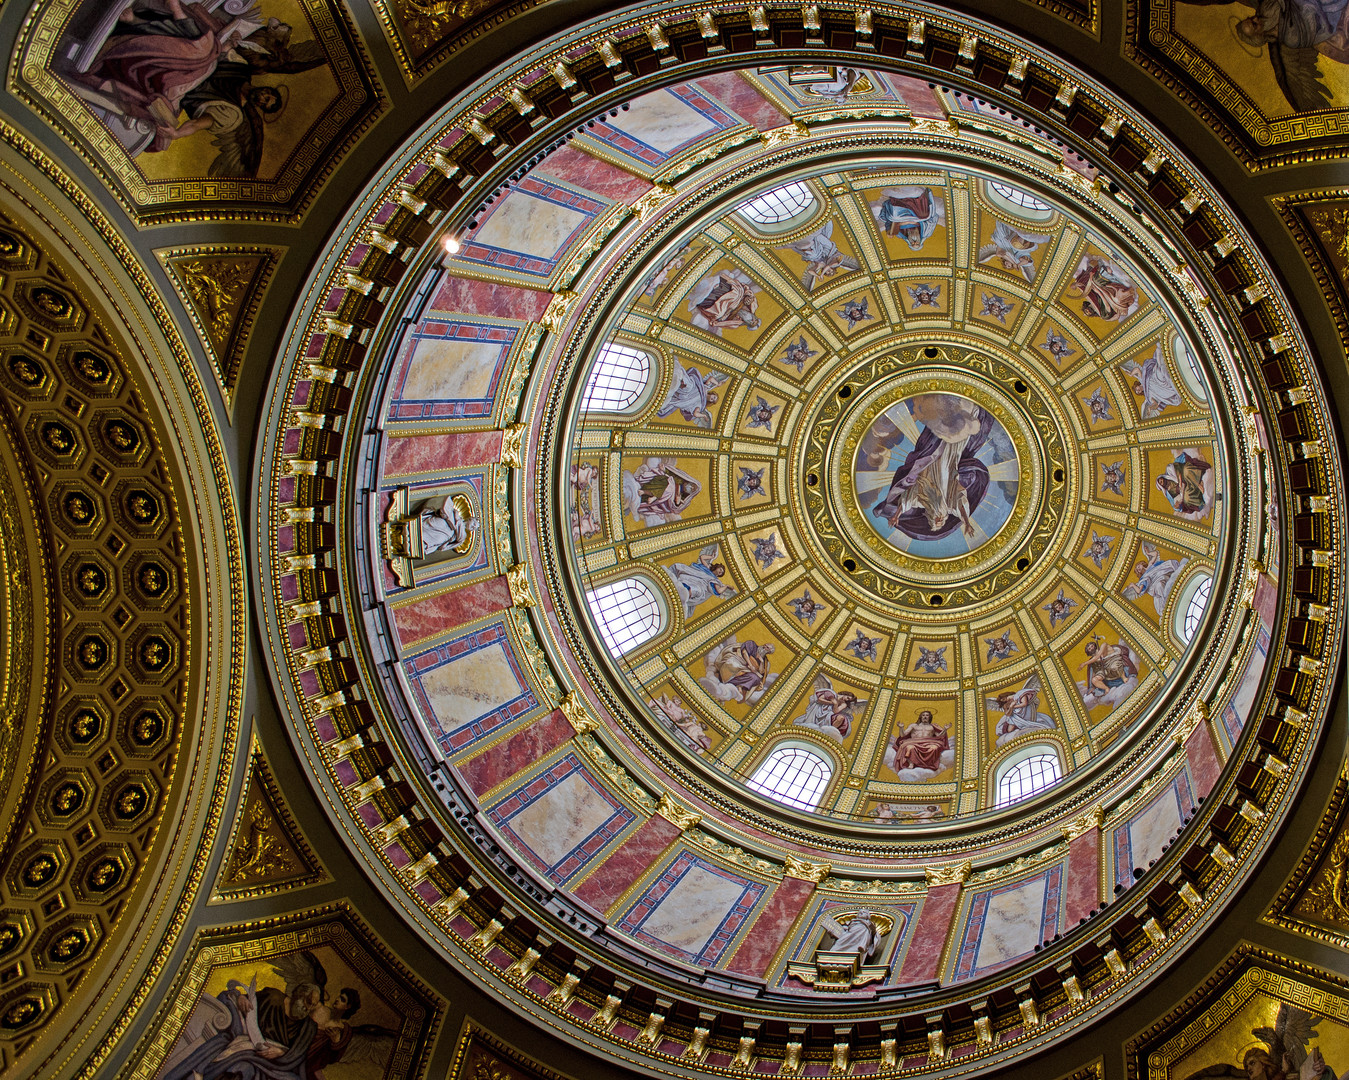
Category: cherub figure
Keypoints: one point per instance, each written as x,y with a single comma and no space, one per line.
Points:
760,414
684,723
1099,548
750,483
1000,648
1098,406
855,311
805,607
830,712
1112,477
798,352
1057,346
995,306
863,647
924,295
1058,608
930,661
766,550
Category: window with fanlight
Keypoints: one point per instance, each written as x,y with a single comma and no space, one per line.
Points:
793,775
619,376
628,614
1027,773
779,206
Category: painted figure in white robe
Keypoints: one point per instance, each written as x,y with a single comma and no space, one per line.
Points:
1153,383
1155,577
1020,712
821,255
698,582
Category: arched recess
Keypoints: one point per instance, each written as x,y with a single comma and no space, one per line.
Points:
1025,772
630,613
795,773
621,380
780,209
156,538
1192,601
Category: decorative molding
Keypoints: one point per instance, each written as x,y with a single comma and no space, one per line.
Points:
956,874
679,816
1314,902
266,851
806,871
222,288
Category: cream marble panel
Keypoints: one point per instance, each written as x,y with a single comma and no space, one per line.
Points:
470,686
529,225
448,370
690,913
1012,927
663,120
1154,827
561,818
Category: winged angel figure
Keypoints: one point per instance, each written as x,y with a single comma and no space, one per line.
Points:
1298,33
1020,711
1287,1056
280,1034
830,712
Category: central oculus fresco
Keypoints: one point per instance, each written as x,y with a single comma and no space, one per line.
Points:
942,472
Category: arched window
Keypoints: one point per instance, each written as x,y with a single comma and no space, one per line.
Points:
1195,607
619,376
1026,773
1017,197
793,775
781,204
627,612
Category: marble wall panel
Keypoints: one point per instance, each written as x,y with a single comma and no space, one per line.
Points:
516,752
528,231
771,928
691,910
1005,923
735,93
623,866
470,686
561,818
659,124
1139,840
465,296
450,370
573,166
440,613
423,454
922,962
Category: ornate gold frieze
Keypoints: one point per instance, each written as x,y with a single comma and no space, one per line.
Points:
1315,900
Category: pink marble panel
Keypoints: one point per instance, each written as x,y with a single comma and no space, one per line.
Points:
770,929
1203,758
499,763
433,453
1082,889
742,99
923,960
434,615
916,94
577,167
467,297
612,878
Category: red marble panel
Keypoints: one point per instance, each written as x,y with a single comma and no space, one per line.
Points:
1082,884
467,297
499,763
434,453
1203,758
438,614
577,167
771,928
916,94
629,861
742,99
923,960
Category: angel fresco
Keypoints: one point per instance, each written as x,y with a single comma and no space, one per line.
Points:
941,482
821,255
1153,383
797,353
855,311
161,64
1155,577
682,721
760,414
658,491
1098,406
1187,484
921,750
1106,292
1000,648
1112,477
691,394
1019,712
830,712
1059,608
1057,346
995,306
805,607
766,551
1297,33
913,213
272,1033
1099,548
930,661
698,582
1286,1055
1012,249
738,670
924,294
1111,673
863,647
725,301
750,483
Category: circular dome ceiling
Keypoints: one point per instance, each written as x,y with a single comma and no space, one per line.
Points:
922,477
802,500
